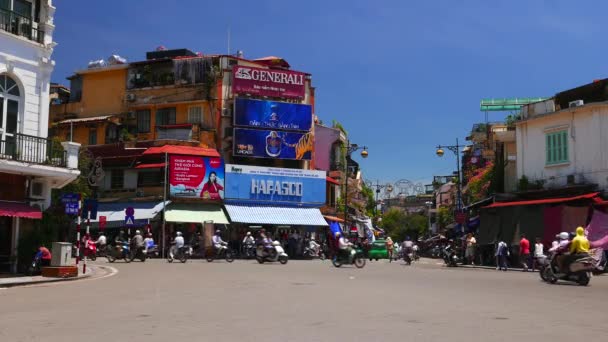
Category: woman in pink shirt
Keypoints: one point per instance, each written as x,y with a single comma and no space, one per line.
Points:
524,252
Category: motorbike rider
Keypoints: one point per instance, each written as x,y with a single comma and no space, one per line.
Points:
266,241
345,247
218,243
560,249
248,239
579,247
408,246
148,242
178,243
137,241
314,246
101,242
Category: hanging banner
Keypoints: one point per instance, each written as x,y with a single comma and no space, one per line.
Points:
268,82
272,144
272,115
196,177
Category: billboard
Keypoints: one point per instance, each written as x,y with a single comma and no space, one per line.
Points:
275,185
272,115
196,177
257,143
268,82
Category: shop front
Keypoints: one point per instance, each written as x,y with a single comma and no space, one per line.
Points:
285,202
195,220
14,217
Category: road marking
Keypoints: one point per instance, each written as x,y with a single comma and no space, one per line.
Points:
112,271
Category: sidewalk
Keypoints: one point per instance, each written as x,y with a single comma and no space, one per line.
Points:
21,281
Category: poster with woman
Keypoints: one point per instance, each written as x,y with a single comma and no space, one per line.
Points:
196,177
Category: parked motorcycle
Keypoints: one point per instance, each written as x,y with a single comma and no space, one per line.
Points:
182,254
275,254
35,267
120,251
579,270
341,258
226,253
450,258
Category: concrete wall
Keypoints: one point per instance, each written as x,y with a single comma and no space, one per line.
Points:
587,146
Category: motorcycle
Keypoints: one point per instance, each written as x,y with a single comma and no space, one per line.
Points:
152,252
213,254
120,251
341,258
248,250
277,253
90,251
312,253
579,270
182,254
138,253
35,267
408,257
102,250
450,258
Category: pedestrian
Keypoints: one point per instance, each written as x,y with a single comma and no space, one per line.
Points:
471,246
45,256
524,252
502,251
538,253
389,248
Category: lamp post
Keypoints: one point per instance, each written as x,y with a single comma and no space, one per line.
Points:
429,204
350,148
389,189
378,187
456,150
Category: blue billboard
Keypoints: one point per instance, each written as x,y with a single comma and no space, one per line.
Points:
271,185
272,115
257,143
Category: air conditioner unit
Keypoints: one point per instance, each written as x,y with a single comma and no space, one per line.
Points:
37,190
130,115
131,97
576,103
227,112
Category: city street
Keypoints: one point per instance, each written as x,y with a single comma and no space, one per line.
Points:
304,301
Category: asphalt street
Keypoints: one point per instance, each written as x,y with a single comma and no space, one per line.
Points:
304,301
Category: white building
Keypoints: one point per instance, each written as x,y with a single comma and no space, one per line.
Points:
30,164
564,140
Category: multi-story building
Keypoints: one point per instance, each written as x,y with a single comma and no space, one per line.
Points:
31,165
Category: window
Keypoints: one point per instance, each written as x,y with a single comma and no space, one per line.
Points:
165,116
75,88
195,114
557,147
93,136
10,101
143,120
22,7
111,134
150,178
118,179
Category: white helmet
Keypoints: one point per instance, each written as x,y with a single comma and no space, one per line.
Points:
137,232
178,233
564,236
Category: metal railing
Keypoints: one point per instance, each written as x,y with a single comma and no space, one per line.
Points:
19,25
32,149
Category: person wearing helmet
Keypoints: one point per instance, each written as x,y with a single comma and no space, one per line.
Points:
148,242
137,242
408,246
562,249
218,243
346,248
579,247
101,242
248,239
314,246
178,243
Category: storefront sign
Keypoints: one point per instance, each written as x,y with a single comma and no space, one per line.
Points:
268,82
272,144
272,115
274,185
196,177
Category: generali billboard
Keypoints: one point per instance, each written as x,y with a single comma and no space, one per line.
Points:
268,82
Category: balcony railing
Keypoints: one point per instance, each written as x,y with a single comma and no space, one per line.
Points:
19,25
32,149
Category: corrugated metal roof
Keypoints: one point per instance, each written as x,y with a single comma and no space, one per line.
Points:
259,214
81,120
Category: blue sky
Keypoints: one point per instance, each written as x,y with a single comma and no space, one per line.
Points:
401,76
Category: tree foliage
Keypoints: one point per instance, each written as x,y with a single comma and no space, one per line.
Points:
398,224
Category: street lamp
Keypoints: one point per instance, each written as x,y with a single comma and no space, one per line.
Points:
350,148
456,149
378,187
429,204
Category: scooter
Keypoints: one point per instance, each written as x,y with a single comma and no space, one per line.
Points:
275,254
226,253
579,271
408,257
449,256
90,251
138,253
248,250
120,251
341,258
35,267
152,252
182,254
311,253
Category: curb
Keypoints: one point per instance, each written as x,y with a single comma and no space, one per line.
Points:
493,268
94,270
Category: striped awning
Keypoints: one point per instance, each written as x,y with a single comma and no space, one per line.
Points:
195,213
260,214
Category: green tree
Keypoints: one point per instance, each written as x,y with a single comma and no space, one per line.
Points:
368,195
444,217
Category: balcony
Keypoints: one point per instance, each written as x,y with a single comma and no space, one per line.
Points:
19,25
33,150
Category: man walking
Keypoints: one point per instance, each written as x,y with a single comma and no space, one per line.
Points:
524,252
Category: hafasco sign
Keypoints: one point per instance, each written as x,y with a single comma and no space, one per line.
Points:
277,185
268,82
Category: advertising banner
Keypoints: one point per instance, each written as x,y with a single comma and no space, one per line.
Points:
272,144
275,185
272,115
268,82
196,177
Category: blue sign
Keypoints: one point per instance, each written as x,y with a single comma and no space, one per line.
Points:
272,144
270,185
272,115
71,208
129,220
70,198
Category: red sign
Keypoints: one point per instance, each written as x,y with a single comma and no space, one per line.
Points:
461,217
196,177
268,82
102,222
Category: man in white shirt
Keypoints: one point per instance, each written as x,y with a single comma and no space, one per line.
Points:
345,247
178,243
101,241
218,243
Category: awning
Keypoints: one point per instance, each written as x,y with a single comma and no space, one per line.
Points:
150,166
184,150
13,209
115,213
333,218
195,213
259,214
331,180
543,201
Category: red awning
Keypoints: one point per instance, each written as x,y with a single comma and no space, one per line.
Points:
184,150
13,209
543,201
150,166
331,180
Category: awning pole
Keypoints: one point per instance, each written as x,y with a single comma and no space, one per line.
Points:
164,207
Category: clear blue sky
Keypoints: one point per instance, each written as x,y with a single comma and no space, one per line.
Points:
401,76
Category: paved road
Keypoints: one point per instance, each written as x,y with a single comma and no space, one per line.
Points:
304,301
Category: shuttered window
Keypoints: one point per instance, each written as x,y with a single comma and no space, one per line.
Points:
557,147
